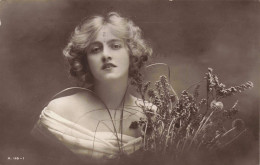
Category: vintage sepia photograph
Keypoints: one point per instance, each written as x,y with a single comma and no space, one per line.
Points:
129,82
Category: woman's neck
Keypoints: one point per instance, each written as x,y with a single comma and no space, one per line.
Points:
113,92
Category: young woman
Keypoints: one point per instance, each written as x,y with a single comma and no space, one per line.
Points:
106,52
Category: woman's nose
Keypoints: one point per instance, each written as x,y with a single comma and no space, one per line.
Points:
106,54
106,59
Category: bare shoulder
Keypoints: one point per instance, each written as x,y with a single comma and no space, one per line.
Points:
70,106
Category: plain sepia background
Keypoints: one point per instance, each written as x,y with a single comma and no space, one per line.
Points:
189,36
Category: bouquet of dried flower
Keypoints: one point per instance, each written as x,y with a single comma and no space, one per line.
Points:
175,125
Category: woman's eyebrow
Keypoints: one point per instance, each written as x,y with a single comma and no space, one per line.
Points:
110,41
94,43
114,40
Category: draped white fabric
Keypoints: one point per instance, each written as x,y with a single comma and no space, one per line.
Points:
89,145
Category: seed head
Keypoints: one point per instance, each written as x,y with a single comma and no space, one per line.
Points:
216,105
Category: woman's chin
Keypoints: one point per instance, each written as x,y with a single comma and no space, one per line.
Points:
111,77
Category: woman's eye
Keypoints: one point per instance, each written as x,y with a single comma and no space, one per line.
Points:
116,46
95,50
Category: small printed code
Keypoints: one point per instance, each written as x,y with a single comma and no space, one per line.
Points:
15,158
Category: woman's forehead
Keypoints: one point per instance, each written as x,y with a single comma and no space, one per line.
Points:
106,34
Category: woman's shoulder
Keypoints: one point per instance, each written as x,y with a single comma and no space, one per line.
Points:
71,105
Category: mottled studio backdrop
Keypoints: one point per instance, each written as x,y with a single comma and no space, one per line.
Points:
189,36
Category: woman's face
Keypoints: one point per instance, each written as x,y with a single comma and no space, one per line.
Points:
107,56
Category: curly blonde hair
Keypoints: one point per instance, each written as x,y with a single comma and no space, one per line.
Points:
75,51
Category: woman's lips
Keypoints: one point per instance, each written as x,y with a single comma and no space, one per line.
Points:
108,65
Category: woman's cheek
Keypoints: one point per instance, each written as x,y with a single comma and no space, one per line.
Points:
94,65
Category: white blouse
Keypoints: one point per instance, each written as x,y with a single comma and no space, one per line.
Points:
88,145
